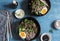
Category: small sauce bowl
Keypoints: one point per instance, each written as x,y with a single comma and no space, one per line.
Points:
45,37
19,13
57,24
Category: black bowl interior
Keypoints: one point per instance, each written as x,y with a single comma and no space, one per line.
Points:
29,7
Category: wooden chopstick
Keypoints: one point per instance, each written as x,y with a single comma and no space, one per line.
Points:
7,29
9,24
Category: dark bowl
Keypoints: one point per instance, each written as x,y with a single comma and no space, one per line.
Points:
31,18
33,14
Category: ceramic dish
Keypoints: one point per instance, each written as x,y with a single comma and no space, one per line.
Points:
57,24
19,13
45,37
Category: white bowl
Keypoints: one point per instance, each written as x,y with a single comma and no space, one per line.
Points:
47,35
57,24
19,13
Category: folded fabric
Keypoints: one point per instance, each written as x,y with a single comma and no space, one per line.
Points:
3,19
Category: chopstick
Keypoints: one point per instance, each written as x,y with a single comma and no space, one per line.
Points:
8,27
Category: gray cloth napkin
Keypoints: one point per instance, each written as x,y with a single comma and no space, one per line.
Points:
3,18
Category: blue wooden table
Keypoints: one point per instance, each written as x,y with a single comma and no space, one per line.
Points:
44,21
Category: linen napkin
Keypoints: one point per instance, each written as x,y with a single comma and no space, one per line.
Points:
3,26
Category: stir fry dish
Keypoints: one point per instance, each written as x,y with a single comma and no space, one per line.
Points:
27,29
38,7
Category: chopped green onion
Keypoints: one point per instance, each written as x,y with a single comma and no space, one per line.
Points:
41,4
36,0
37,13
25,20
20,29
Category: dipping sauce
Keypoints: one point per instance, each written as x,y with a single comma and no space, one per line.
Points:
19,13
45,38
